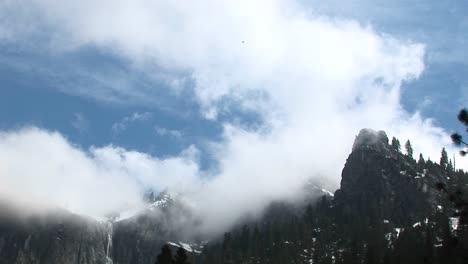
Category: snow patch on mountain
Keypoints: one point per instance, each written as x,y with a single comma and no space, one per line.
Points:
192,248
160,202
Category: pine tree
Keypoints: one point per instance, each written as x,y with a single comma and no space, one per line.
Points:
256,242
461,202
409,149
457,138
421,163
395,144
245,239
443,159
227,253
165,257
181,257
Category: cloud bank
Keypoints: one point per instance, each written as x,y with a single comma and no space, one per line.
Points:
313,81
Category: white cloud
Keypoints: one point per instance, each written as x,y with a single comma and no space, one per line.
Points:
123,124
168,132
43,168
314,81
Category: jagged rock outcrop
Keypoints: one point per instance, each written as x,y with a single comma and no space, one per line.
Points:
379,183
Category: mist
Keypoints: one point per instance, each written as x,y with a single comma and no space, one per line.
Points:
313,81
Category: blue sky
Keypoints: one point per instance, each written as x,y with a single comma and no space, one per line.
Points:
203,96
43,88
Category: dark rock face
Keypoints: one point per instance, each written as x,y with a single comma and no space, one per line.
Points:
378,183
59,237
370,138
381,183
138,240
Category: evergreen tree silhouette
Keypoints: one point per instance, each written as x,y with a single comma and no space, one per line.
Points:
444,159
421,163
227,249
458,197
457,138
165,257
409,149
395,144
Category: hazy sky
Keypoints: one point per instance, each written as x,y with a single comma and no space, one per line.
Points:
233,103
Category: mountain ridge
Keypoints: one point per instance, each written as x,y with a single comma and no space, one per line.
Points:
387,203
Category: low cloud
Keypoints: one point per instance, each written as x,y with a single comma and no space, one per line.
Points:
43,168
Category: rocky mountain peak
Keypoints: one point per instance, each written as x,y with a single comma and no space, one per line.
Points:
379,182
371,138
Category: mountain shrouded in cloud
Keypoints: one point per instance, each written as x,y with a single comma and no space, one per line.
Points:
313,81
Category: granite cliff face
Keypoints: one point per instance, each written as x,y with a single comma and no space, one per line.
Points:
381,183
64,238
58,237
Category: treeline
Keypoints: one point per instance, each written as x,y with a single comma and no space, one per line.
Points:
166,256
315,237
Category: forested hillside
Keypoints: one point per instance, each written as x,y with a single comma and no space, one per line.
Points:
390,208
